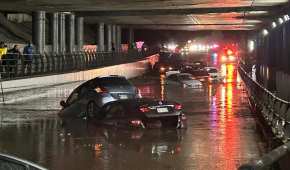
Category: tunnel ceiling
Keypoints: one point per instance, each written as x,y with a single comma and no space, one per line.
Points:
163,14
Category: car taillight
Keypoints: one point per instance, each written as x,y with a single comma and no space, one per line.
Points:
101,90
144,109
177,106
136,123
223,58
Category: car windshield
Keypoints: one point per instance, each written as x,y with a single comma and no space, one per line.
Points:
185,77
113,81
212,70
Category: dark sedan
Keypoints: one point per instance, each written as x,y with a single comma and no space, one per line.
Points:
141,113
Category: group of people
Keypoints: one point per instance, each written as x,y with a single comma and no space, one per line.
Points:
9,59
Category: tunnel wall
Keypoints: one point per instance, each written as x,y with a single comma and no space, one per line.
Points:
129,70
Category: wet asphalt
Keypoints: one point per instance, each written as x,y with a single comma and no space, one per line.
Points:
221,131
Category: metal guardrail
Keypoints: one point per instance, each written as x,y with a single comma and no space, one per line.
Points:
276,113
15,65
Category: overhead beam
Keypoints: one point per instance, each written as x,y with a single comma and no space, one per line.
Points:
178,11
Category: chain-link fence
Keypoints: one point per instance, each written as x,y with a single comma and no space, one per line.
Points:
14,65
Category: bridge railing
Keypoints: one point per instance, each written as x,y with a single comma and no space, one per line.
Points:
14,65
275,112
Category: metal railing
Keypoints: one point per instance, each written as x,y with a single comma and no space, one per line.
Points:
14,65
276,114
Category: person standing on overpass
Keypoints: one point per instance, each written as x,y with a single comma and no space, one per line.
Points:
27,54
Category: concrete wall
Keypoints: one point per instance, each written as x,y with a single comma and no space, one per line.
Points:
128,70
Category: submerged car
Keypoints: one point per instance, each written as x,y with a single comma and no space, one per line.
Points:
199,73
214,74
184,80
141,113
92,95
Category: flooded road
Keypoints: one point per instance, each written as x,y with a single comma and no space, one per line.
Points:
221,131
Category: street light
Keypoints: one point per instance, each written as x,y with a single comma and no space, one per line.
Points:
274,25
280,20
265,32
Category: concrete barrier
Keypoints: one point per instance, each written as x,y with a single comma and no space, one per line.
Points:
129,70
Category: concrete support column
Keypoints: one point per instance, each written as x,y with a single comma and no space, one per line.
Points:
54,32
109,37
114,37
62,31
101,37
131,37
70,33
80,32
119,34
39,31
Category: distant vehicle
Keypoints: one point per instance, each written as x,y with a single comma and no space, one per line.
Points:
228,55
141,113
198,73
183,79
92,95
168,73
163,67
214,74
8,162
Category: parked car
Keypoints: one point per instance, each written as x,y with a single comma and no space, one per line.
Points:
198,72
8,162
214,74
184,80
143,113
140,113
91,96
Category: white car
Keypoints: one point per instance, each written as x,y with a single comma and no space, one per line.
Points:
214,74
168,73
183,79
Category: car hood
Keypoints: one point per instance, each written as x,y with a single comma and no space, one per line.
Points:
190,82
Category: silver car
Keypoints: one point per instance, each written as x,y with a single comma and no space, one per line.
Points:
88,98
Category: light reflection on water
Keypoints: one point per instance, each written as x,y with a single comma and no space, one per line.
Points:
213,140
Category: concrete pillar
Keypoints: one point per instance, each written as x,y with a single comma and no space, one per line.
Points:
119,34
131,37
101,37
54,32
109,37
80,33
62,33
114,37
39,31
70,33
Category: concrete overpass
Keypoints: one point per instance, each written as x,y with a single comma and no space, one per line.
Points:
66,18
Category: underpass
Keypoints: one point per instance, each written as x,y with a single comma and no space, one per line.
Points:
221,131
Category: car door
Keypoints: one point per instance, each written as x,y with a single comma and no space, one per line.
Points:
115,114
73,104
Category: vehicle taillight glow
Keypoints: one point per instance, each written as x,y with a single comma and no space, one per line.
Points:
144,109
136,123
162,68
223,58
177,106
232,58
101,90
229,52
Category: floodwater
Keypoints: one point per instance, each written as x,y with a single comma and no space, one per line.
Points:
221,131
